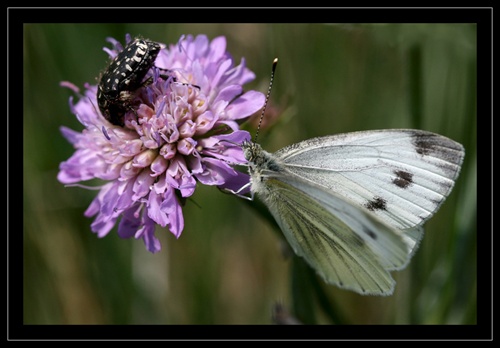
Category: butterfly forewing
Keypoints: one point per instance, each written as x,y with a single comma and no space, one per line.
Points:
402,176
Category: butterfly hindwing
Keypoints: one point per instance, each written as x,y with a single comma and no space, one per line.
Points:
345,245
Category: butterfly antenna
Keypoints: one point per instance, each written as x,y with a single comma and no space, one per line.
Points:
275,62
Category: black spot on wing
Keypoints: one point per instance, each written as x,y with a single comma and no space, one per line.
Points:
436,145
424,143
370,233
377,203
448,151
403,179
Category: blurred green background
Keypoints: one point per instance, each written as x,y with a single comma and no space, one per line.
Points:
228,266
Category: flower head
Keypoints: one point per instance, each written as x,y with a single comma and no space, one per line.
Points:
181,130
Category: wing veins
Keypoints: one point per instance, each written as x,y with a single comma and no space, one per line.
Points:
336,242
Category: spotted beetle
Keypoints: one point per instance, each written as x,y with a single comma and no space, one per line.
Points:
123,77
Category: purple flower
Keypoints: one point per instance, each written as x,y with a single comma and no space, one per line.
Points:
184,131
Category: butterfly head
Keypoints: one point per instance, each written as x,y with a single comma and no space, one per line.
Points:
252,151
259,159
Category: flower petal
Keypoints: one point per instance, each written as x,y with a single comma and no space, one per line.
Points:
246,105
216,172
147,232
237,183
171,207
130,222
155,212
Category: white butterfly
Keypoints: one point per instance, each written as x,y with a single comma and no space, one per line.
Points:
353,205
